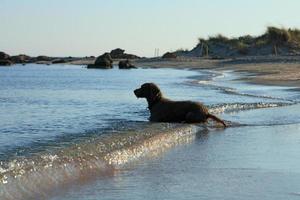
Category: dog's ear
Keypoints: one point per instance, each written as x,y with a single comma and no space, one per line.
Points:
154,92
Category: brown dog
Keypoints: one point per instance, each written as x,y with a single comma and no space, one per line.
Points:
165,110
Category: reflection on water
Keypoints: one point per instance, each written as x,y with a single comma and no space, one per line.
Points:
38,176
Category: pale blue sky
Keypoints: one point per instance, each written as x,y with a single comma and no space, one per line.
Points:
91,27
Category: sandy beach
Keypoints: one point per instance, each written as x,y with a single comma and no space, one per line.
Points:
266,70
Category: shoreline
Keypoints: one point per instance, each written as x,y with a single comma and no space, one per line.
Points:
263,70
279,71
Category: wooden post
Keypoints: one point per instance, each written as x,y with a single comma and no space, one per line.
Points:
206,50
275,50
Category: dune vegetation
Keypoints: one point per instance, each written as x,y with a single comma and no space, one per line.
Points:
275,41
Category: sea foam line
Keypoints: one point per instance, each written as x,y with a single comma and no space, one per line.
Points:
235,107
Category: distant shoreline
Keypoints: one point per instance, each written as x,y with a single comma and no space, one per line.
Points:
281,70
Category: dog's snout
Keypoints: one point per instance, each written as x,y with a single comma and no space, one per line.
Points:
137,92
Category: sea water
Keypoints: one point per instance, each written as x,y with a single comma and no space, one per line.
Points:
67,132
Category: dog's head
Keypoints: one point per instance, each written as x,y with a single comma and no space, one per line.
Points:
150,91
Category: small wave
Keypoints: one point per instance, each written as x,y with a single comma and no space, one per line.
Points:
234,107
235,92
204,82
232,91
36,177
211,83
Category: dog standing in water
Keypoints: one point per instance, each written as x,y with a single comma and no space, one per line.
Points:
165,110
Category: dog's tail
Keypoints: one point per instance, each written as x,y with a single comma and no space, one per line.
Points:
216,119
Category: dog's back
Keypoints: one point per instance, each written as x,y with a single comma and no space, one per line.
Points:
176,111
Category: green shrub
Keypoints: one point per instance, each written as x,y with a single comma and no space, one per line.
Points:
202,40
247,39
219,38
294,35
273,35
260,42
241,47
277,35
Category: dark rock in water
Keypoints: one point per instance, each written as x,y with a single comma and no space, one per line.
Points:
119,54
130,56
126,64
43,58
169,55
5,62
20,58
4,56
104,59
102,62
63,60
5,59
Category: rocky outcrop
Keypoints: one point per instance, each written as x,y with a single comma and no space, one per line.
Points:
120,54
102,62
126,64
43,58
5,59
5,63
4,56
22,58
117,53
169,55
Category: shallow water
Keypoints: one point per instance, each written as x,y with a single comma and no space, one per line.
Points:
43,104
72,133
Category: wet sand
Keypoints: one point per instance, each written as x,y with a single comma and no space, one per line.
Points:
266,70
